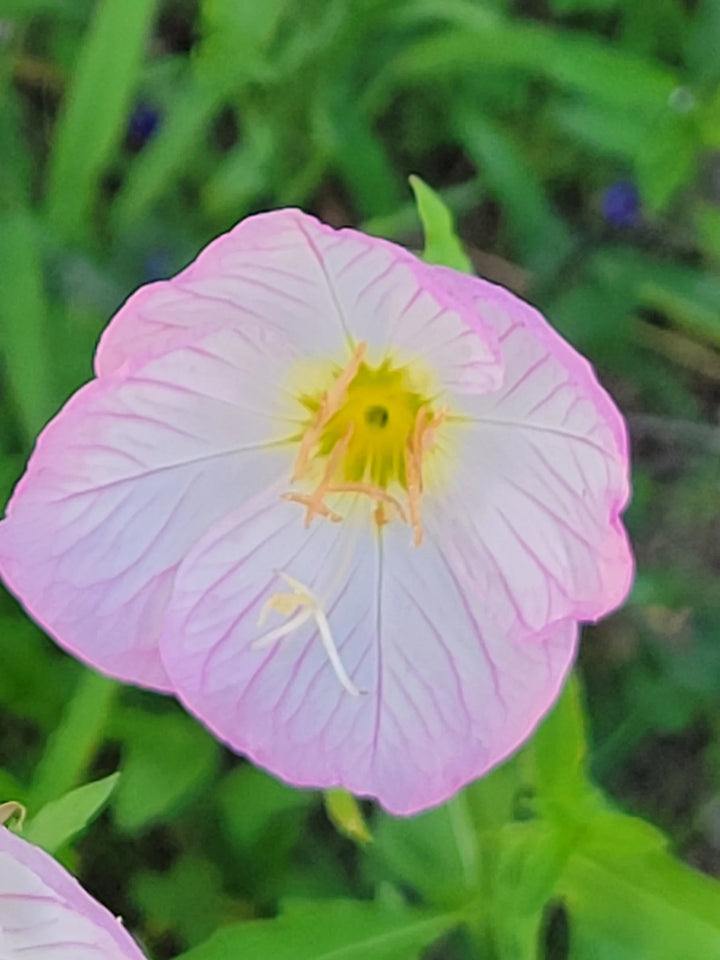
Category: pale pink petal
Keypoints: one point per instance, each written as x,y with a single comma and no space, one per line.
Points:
445,695
321,290
46,915
129,475
538,479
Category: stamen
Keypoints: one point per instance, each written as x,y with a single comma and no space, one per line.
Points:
422,437
382,497
314,507
381,398
329,405
413,479
315,501
302,596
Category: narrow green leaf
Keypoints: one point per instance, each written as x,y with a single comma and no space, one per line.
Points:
558,749
187,898
236,40
423,852
17,9
60,820
166,760
24,321
94,113
442,245
75,739
538,233
572,61
362,162
328,930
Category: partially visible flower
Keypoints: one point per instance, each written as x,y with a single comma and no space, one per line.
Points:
348,507
144,122
621,204
44,912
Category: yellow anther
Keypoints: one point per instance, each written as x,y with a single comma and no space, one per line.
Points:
283,603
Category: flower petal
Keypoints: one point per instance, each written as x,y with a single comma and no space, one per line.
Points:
533,499
127,477
444,694
44,912
320,290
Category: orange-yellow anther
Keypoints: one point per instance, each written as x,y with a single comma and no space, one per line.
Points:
315,501
329,405
421,440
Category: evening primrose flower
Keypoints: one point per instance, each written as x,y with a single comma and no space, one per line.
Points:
44,912
348,507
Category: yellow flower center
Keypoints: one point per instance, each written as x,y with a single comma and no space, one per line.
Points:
370,431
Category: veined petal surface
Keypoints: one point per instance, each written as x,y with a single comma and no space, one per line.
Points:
46,915
540,477
445,695
129,475
320,291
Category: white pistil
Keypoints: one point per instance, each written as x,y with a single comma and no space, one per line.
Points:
308,606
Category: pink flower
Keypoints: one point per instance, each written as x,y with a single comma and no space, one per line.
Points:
44,912
348,507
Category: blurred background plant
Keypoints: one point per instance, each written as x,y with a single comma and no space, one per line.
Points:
578,144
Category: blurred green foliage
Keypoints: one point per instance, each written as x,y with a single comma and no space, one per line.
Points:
578,143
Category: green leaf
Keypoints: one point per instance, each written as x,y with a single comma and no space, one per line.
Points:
572,61
186,899
24,321
361,160
558,750
607,130
629,906
703,43
245,173
166,760
328,930
429,852
263,820
539,235
531,858
75,739
15,9
251,801
61,820
17,162
442,245
668,159
237,38
94,113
